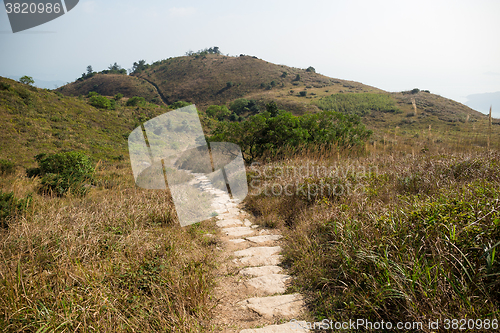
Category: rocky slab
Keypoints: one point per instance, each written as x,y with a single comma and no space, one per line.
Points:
260,271
264,238
228,222
293,326
254,261
261,251
282,306
271,284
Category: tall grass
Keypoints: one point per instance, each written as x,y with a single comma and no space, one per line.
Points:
415,239
114,261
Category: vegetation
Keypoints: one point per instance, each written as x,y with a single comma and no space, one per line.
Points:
114,69
218,112
396,237
264,133
135,101
118,251
7,167
10,207
101,102
243,105
63,172
360,104
27,80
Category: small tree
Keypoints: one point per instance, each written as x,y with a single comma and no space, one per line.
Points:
90,70
297,77
27,80
311,69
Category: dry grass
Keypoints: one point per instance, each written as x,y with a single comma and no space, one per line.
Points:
412,239
114,261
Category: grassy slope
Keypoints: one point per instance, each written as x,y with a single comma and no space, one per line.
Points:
203,81
36,120
112,84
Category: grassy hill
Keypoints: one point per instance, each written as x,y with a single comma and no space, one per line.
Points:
112,84
406,230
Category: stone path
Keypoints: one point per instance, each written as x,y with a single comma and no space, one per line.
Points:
251,285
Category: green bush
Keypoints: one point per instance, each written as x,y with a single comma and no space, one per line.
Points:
7,167
135,101
179,104
100,102
63,172
283,131
218,111
10,206
311,69
303,93
360,104
243,105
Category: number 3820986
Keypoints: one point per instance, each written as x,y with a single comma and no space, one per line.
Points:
32,8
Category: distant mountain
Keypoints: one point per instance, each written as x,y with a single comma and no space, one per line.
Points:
41,83
482,102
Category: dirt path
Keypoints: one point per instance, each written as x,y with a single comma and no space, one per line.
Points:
251,284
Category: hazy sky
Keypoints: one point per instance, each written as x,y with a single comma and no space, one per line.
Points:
451,48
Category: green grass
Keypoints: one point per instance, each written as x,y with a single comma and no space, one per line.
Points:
36,120
360,104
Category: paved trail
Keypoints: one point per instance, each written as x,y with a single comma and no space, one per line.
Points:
251,285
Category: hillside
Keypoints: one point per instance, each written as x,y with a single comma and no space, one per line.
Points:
214,79
42,120
112,84
38,120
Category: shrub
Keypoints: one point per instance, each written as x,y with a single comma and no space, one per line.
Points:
118,97
179,104
310,69
218,111
297,77
229,84
4,86
415,91
243,105
135,101
284,74
263,133
303,93
63,172
101,102
7,167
